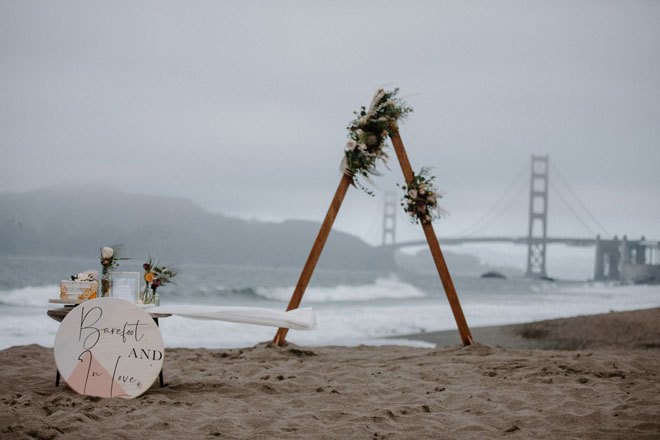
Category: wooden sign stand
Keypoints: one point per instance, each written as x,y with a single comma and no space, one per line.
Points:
431,238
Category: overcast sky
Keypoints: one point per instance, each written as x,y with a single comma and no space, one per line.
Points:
242,106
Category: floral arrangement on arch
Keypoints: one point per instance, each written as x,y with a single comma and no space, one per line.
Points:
367,134
154,277
420,199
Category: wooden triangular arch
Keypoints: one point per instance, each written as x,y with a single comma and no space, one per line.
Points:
431,239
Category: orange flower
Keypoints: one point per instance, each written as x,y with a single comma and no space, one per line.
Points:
148,277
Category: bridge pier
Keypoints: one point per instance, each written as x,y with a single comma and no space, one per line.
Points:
632,252
620,259
599,269
608,257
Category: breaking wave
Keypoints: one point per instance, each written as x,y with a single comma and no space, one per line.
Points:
29,296
382,288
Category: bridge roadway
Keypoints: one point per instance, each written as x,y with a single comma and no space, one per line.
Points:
515,240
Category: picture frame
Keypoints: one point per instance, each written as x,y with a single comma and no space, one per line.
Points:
125,285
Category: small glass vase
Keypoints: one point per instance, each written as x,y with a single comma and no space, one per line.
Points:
145,295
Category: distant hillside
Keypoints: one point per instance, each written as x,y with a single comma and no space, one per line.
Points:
458,264
77,220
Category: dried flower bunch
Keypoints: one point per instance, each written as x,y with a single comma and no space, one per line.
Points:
420,199
367,134
155,276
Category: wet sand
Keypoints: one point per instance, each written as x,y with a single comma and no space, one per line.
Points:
639,329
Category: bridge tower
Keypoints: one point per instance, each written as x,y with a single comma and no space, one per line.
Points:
538,217
389,219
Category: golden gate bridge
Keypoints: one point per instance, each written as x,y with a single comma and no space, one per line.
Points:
615,259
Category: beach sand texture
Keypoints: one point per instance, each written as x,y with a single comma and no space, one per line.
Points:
609,391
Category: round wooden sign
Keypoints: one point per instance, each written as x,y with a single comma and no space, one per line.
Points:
109,347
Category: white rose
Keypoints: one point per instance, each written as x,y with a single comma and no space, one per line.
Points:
363,147
107,252
351,145
359,132
413,193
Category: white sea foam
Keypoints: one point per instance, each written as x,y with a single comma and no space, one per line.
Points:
29,296
22,329
390,287
354,323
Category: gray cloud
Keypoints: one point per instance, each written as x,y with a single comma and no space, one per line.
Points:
243,106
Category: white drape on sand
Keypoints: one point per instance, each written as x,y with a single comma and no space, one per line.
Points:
298,319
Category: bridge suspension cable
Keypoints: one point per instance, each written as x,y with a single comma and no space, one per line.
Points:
477,225
503,210
568,205
575,196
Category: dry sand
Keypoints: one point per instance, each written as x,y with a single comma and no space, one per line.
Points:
608,389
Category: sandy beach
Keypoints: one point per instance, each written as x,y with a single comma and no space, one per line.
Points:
602,384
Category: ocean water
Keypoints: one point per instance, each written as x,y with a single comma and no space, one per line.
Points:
352,308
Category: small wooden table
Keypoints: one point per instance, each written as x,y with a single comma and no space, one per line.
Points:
59,314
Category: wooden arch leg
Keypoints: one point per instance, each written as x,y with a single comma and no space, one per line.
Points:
434,246
315,253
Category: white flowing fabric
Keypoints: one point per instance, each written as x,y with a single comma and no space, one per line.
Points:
298,319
